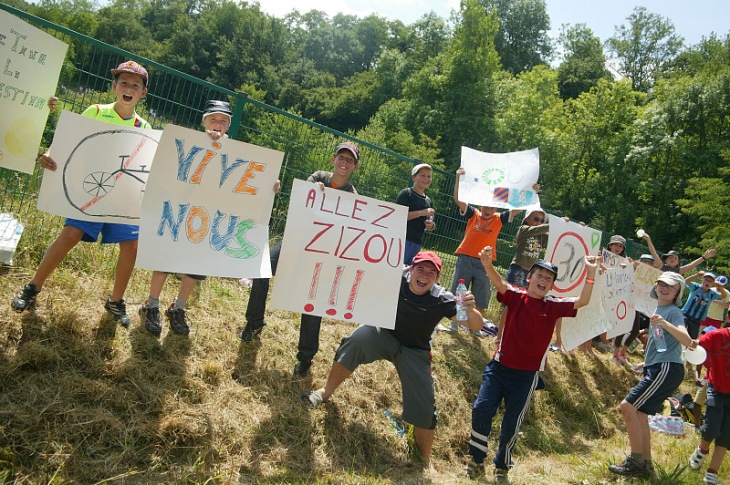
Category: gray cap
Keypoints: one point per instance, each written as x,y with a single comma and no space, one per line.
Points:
672,279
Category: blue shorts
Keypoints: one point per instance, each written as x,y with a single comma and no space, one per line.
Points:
110,233
660,381
717,418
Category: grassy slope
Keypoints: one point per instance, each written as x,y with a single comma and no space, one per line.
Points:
83,400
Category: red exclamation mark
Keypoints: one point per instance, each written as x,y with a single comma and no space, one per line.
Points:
333,293
353,293
309,308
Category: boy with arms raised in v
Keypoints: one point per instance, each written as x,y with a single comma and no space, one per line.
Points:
513,373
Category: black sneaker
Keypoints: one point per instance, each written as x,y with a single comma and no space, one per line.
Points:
302,368
250,332
475,470
177,320
25,298
152,320
118,309
629,468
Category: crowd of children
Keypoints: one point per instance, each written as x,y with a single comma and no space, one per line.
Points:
527,326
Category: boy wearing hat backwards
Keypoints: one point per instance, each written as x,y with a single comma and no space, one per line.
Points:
663,373
345,161
422,303
700,298
420,212
130,86
513,373
216,121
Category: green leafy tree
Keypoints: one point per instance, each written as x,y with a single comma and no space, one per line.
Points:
522,41
584,62
644,47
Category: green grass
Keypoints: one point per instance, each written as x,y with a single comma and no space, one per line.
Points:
83,400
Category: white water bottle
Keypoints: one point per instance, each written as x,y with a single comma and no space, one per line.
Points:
461,315
661,345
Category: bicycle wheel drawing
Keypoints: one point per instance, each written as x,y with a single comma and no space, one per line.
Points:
105,174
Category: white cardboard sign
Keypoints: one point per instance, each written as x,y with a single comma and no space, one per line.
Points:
341,256
207,206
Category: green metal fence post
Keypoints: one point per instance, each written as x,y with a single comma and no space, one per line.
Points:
241,99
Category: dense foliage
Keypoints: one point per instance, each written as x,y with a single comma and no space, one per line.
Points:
646,147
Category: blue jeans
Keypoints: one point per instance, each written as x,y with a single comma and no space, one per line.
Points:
517,275
499,383
412,248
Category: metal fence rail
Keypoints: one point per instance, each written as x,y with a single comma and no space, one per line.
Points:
176,97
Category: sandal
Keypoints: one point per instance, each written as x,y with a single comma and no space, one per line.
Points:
311,399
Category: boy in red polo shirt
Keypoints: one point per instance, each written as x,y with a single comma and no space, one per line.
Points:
513,373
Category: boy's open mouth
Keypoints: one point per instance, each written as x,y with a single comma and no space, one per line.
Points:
127,97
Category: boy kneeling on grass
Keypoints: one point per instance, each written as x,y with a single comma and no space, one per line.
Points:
422,303
513,373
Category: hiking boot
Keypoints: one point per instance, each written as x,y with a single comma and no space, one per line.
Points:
177,320
302,368
697,459
152,320
311,399
25,298
629,468
711,478
474,470
250,332
500,475
118,309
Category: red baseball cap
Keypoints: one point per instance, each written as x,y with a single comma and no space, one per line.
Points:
132,67
429,256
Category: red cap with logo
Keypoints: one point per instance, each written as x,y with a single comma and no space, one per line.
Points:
429,256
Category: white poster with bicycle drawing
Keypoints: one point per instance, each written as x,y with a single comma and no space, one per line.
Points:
341,256
31,63
101,170
207,206
502,180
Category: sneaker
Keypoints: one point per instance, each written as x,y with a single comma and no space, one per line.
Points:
118,309
500,475
311,399
152,320
697,459
711,478
604,347
616,360
629,468
623,359
25,298
250,332
474,470
302,368
177,320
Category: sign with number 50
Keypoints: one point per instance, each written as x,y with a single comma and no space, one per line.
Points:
568,243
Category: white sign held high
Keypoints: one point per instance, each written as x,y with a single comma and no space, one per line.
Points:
644,278
101,170
568,243
590,321
341,256
32,61
207,206
499,179
618,299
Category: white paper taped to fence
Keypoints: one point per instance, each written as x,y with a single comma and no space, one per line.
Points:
10,232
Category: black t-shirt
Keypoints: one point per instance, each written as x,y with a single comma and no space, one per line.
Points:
415,202
418,315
